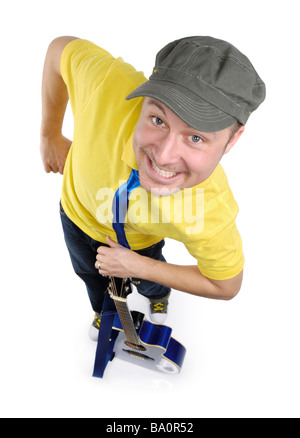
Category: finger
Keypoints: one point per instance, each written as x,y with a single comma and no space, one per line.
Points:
100,269
53,169
47,168
98,265
112,243
101,250
46,165
98,260
61,170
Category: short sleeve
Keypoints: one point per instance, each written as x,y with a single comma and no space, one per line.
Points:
221,257
83,67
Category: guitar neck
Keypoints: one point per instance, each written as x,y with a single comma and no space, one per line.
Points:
126,320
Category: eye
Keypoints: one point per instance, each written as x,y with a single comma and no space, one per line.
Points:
157,121
196,139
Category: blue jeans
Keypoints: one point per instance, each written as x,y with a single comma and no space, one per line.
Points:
83,251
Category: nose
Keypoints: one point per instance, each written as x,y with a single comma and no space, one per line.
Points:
168,150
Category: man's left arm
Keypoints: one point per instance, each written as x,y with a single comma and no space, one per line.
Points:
189,279
121,262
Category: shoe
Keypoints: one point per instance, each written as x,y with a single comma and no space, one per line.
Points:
159,309
94,329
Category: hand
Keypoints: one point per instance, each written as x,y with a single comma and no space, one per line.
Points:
54,152
117,261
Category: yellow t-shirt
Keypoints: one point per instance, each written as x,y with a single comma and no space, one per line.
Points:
101,159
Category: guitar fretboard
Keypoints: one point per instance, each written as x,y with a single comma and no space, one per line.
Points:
127,321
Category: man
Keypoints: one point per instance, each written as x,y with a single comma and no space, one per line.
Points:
172,131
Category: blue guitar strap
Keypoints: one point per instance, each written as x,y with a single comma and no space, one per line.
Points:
120,206
106,341
107,337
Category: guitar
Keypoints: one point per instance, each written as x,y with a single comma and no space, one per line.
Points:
140,341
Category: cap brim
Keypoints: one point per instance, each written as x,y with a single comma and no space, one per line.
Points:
196,112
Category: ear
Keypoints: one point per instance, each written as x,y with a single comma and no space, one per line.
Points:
234,139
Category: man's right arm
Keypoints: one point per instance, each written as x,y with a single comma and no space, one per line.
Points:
54,146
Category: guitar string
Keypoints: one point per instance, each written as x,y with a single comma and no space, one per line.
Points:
124,312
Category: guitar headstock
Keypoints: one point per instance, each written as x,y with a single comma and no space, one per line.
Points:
119,287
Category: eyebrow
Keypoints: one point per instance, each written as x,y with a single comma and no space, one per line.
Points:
205,134
154,102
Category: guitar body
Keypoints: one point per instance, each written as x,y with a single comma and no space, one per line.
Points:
155,350
127,335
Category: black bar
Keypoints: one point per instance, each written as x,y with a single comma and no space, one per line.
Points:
142,426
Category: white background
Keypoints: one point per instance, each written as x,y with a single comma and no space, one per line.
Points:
243,356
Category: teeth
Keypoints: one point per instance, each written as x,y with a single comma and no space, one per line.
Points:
163,173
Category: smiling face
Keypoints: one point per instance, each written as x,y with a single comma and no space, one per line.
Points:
171,155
